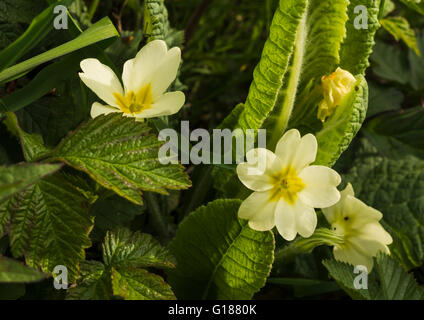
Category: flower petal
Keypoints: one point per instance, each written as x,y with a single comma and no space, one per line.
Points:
169,103
97,109
306,219
127,75
101,80
147,60
352,256
297,151
285,220
256,173
259,211
166,72
320,186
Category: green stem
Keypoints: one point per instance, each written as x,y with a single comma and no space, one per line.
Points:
157,219
92,10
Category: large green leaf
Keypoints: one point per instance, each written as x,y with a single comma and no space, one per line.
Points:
383,99
15,271
219,255
396,188
99,31
126,255
16,178
398,134
49,224
120,154
387,282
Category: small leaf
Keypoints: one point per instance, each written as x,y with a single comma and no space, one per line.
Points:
219,255
121,155
14,271
138,284
400,29
32,144
16,178
125,249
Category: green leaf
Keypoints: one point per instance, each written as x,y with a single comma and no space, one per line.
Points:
16,178
121,155
337,132
387,282
49,224
32,144
14,271
399,134
400,29
390,63
358,44
99,31
417,5
123,274
219,255
138,284
396,188
124,249
37,31
383,99
416,64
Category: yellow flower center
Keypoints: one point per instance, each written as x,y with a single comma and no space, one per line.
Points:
286,185
135,103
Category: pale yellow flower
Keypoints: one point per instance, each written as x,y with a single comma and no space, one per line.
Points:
287,187
146,79
335,87
359,224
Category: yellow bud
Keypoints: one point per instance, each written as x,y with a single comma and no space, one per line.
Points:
335,87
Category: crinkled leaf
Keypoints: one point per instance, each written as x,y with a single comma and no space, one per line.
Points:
396,188
121,155
383,99
387,282
123,248
16,178
49,224
15,271
122,273
219,255
139,284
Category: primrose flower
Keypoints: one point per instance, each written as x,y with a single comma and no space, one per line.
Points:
359,224
335,87
287,188
145,79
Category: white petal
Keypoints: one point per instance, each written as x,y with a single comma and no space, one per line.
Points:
147,60
360,214
256,173
101,80
170,103
166,72
285,220
127,75
375,231
259,211
320,186
98,109
297,151
306,219
352,256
